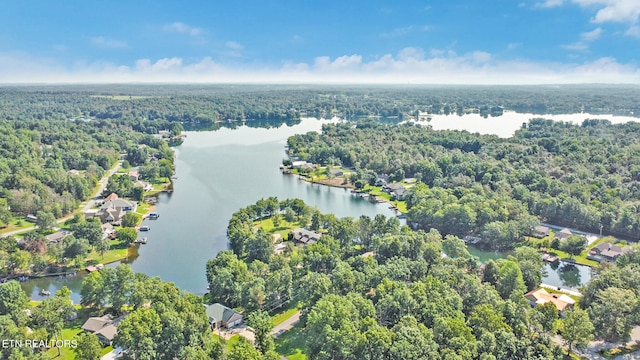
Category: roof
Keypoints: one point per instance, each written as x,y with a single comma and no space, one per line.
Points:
111,196
117,203
541,296
564,233
220,313
395,186
542,229
305,236
94,324
57,236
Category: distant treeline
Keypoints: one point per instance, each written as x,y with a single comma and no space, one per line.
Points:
207,104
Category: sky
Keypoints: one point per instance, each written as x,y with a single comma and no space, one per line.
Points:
310,41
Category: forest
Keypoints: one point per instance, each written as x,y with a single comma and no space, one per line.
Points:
583,176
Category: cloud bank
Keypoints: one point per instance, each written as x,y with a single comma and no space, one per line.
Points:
409,66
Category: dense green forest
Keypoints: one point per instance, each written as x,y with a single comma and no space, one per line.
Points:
371,289
584,176
206,104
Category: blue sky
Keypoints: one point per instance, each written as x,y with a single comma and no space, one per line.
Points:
306,41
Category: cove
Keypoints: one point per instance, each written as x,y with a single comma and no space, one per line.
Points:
219,172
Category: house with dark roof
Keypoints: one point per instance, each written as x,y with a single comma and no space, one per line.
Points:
399,194
541,231
390,188
542,296
221,316
606,252
57,236
304,236
563,234
104,327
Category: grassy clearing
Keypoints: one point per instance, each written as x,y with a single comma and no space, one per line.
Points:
17,223
117,252
291,344
68,333
284,228
281,317
232,341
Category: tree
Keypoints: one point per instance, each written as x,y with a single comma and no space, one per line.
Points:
52,313
243,350
577,329
88,348
613,313
126,235
74,247
510,280
93,291
46,220
12,299
131,220
574,245
103,246
260,246
90,229
119,282
262,325
136,334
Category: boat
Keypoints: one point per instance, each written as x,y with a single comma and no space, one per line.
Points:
141,241
153,215
44,292
94,268
145,228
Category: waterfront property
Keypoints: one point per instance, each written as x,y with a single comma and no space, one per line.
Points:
304,237
541,296
563,234
104,327
221,316
606,252
541,231
114,208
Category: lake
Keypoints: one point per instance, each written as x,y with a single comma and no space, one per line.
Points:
219,172
564,275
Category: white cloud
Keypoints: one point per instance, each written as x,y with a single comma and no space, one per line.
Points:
613,10
410,65
108,43
404,31
233,45
577,46
633,31
183,28
550,3
591,35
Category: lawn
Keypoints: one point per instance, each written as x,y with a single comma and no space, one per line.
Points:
291,344
17,223
284,228
279,318
117,252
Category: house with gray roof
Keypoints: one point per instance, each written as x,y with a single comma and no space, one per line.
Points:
104,327
606,252
304,236
221,316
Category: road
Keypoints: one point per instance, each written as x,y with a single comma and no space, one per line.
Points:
286,325
102,185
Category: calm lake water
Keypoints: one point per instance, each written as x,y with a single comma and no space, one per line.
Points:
564,275
222,171
219,172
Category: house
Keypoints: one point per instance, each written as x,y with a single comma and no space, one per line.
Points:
382,180
606,252
134,175
31,218
73,172
541,231
104,327
57,236
221,316
399,194
390,188
112,211
563,234
337,172
541,296
304,236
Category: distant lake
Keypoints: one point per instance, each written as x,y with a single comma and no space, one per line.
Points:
506,124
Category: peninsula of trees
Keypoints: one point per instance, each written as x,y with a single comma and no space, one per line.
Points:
584,176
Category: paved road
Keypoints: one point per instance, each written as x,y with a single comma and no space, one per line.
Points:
103,185
286,325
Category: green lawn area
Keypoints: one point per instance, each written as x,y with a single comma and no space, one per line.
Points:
142,208
279,318
283,229
291,344
16,223
232,341
117,252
